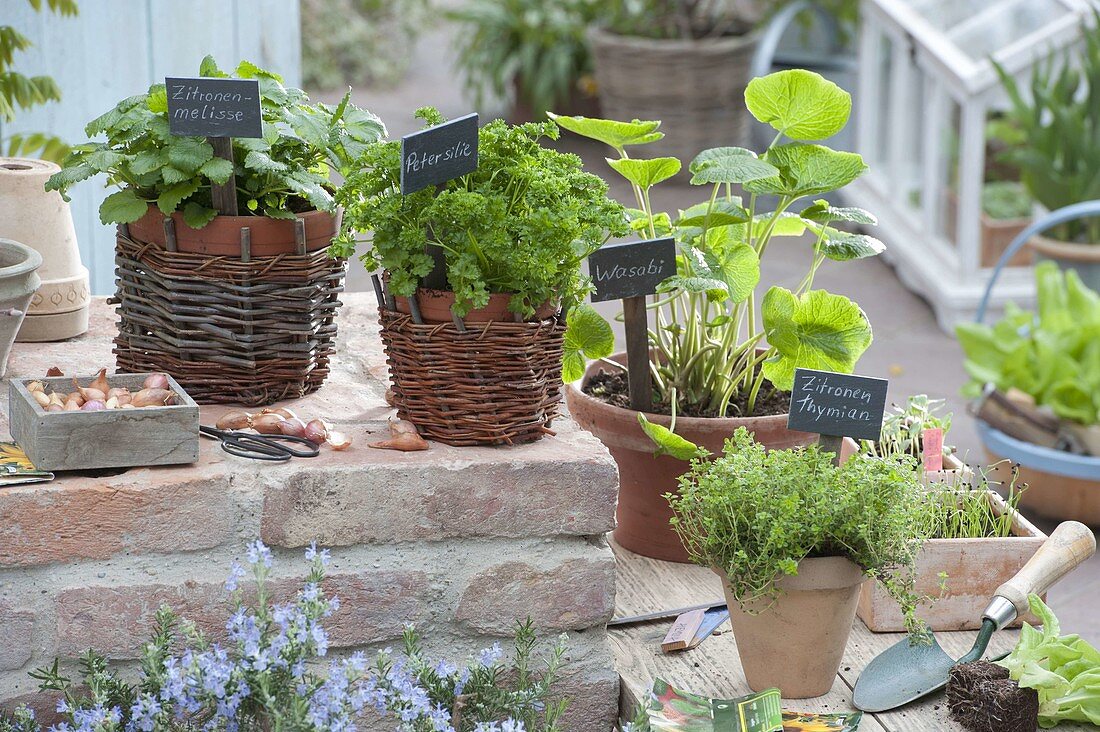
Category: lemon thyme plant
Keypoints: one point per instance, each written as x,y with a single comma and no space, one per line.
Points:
282,173
706,336
757,513
521,223
272,674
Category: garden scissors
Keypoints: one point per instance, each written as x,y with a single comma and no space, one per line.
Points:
278,448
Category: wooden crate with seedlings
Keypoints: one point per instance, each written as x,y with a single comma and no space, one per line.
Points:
975,568
108,438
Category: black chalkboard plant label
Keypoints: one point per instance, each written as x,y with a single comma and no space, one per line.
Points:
837,406
438,154
204,107
630,272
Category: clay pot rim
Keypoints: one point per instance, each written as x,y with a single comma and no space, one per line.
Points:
1072,251
829,573
32,260
27,166
621,413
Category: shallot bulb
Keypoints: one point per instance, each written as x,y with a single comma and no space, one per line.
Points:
155,381
99,383
282,411
112,403
153,397
35,387
405,437
55,408
268,424
93,405
72,405
41,398
316,431
234,421
89,393
293,427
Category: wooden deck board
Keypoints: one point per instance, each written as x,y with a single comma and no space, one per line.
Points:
714,669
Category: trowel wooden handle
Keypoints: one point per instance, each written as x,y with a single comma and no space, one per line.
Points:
1068,546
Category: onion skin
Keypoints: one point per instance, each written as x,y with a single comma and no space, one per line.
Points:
93,405
153,398
155,381
234,421
268,424
281,411
54,371
338,441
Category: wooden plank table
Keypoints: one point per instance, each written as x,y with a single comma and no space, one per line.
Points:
713,669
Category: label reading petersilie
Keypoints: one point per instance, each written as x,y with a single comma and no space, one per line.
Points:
439,153
837,404
214,107
630,270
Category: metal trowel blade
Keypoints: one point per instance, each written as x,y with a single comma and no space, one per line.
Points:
900,674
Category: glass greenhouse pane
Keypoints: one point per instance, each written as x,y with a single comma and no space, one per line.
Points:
1003,25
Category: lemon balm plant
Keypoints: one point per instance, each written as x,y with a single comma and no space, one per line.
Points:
711,356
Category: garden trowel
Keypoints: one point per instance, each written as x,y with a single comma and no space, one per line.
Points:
908,671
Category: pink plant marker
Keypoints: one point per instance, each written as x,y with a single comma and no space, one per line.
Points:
933,449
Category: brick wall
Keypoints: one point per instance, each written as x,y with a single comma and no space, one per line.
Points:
460,541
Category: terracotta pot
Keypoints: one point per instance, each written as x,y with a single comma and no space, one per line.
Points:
996,234
42,221
644,479
435,307
975,568
1085,258
797,643
18,283
222,236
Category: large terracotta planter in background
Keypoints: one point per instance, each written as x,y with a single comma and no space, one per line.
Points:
1084,258
975,568
797,643
644,479
42,221
18,283
222,236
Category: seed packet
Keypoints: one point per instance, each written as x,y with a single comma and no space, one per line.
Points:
672,710
16,468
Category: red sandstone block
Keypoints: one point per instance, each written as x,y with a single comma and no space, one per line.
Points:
147,510
16,628
545,491
574,595
42,703
116,621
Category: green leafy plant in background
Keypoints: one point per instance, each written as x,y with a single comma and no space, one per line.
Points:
534,49
903,427
704,343
1063,669
1052,354
684,19
18,91
359,42
1006,200
521,223
282,173
756,514
1058,122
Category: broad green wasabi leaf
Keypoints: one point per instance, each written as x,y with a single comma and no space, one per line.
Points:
799,103
645,173
723,213
734,263
787,224
668,442
197,216
616,134
843,246
818,330
122,207
729,165
824,213
808,170
587,336
716,290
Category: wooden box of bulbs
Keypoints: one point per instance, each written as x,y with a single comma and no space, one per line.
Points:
94,422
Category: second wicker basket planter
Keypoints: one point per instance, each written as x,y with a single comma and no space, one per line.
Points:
495,383
243,330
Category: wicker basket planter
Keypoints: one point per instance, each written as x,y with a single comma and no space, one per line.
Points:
493,383
237,329
696,88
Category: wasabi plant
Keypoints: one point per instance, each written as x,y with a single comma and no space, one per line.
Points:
719,350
